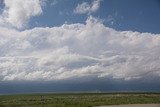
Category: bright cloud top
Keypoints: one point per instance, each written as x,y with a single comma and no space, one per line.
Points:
85,7
89,50
18,12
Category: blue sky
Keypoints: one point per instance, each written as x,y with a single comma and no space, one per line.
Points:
79,45
135,15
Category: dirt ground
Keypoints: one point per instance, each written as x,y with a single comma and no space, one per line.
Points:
135,105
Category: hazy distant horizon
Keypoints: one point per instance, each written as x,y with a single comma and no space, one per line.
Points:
75,86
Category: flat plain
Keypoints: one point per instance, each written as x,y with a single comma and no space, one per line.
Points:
77,99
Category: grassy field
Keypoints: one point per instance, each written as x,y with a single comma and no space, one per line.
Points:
77,99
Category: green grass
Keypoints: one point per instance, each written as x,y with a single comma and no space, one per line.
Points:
77,99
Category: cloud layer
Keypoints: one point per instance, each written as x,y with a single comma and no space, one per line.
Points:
17,12
85,7
70,51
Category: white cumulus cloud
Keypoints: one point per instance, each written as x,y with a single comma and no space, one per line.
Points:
85,7
17,12
70,51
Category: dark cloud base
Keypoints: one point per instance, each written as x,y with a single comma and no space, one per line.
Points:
92,85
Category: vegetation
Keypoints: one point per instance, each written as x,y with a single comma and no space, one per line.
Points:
77,99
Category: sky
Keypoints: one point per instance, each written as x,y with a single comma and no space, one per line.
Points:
79,45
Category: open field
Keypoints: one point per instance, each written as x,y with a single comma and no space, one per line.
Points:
77,99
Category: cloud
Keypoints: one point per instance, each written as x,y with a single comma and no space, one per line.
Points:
54,2
85,7
17,12
70,51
